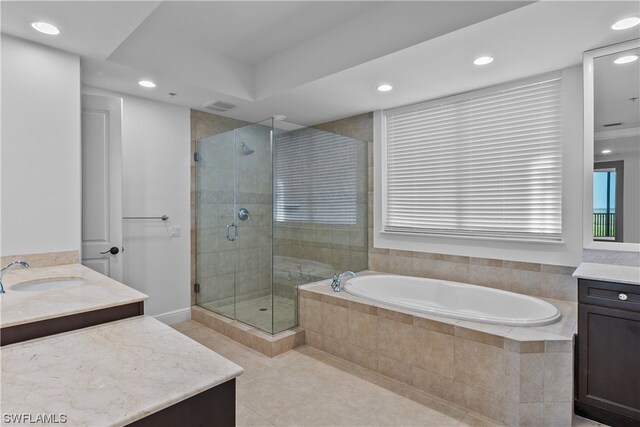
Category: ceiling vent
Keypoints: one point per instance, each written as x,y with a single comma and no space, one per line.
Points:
218,106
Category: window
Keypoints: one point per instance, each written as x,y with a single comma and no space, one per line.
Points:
482,164
607,200
315,178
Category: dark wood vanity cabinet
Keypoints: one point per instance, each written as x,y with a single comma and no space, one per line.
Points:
608,353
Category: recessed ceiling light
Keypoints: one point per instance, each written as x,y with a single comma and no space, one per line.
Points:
626,59
625,23
606,151
385,87
146,83
45,28
483,60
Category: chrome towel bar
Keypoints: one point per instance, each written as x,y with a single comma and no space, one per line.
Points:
163,217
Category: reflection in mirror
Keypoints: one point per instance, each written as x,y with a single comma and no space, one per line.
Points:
616,169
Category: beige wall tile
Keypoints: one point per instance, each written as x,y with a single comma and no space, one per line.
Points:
363,330
313,339
395,315
363,308
559,286
433,351
515,265
395,369
366,359
335,347
454,271
480,365
432,383
558,414
395,340
313,315
335,322
456,258
531,378
558,378
486,275
479,400
523,282
558,346
434,325
524,346
479,336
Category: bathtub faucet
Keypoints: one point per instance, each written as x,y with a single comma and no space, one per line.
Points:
336,285
8,267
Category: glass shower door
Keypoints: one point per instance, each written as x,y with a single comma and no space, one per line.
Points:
216,228
253,214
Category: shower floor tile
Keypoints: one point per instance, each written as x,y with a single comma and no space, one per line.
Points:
257,312
305,387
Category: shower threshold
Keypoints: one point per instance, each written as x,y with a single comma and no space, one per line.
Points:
257,312
267,344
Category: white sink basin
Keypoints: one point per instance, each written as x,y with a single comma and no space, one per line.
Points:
47,284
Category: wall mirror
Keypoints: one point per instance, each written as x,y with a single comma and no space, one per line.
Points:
612,147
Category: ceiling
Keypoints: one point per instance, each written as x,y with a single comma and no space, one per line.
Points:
315,61
616,100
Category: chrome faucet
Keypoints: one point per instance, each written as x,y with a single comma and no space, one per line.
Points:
336,284
8,267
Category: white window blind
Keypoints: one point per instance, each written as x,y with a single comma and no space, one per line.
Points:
315,178
482,164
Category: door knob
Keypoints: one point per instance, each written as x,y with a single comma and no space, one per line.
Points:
113,251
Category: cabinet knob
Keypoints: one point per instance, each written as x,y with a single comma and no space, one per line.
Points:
622,297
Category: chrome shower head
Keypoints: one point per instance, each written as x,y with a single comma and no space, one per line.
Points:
246,150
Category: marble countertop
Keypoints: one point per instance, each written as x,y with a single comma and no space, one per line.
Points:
96,293
608,273
111,374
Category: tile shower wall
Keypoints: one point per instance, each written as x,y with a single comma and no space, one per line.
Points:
203,125
546,281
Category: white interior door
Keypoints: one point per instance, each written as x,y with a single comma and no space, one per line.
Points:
102,184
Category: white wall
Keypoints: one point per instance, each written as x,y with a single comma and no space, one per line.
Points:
40,172
568,252
156,164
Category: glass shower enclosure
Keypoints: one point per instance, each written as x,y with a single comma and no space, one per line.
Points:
277,205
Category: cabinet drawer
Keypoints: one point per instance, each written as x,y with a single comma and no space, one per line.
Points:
609,294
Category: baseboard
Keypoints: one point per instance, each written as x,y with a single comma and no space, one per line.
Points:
175,316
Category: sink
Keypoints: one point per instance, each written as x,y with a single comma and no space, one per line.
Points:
48,284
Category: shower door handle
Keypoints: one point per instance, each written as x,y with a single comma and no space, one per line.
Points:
235,232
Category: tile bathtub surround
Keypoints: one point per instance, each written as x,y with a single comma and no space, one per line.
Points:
538,280
46,259
515,375
269,345
306,386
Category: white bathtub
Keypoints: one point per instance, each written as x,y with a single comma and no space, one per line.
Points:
455,300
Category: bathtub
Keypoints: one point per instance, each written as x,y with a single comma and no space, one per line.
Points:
454,300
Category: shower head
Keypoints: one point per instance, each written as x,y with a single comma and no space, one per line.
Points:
246,150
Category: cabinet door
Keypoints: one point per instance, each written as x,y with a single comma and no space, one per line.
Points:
609,359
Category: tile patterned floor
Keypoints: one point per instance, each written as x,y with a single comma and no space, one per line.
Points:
306,387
